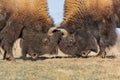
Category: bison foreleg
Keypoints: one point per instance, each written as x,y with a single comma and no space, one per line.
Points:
7,47
9,56
24,56
4,55
8,53
24,50
102,52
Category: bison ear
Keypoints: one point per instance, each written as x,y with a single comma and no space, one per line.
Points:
51,31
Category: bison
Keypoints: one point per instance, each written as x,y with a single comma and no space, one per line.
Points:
86,24
29,20
77,44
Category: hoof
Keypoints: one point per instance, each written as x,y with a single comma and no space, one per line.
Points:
23,58
101,54
10,59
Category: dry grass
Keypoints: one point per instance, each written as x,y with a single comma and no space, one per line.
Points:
61,69
91,68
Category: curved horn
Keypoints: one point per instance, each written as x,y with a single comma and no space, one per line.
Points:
65,33
50,31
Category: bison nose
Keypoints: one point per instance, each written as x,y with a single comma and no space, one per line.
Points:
85,53
34,56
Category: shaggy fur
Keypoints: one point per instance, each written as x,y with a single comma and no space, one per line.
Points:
4,16
30,21
95,17
116,4
76,43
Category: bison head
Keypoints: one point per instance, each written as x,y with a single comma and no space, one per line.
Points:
38,43
78,43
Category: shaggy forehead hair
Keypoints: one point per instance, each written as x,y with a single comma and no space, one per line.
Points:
36,7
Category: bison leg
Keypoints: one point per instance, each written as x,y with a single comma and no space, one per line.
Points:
24,56
24,49
24,53
102,52
7,47
4,56
8,56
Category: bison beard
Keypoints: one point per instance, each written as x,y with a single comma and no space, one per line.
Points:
31,23
95,19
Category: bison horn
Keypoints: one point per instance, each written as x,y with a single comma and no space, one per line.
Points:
65,33
50,31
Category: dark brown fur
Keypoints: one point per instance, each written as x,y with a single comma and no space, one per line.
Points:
77,42
30,21
116,4
93,17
